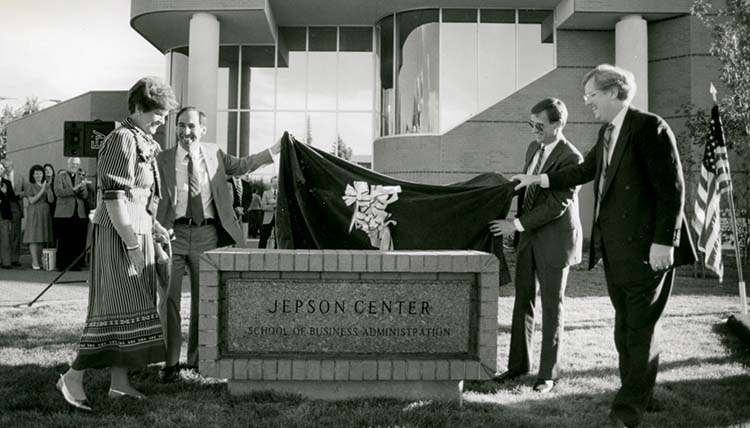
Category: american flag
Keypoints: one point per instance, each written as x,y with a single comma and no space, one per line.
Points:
715,180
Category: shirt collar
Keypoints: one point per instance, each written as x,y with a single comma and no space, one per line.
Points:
551,146
130,124
195,151
620,117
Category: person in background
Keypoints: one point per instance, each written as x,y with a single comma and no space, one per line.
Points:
49,177
16,206
38,230
255,215
70,212
235,186
268,205
122,328
6,217
91,187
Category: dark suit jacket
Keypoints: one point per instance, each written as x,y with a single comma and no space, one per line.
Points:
219,165
552,227
6,199
643,197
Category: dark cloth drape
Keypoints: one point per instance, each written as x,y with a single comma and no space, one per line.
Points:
312,214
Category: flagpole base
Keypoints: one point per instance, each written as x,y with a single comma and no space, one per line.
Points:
739,325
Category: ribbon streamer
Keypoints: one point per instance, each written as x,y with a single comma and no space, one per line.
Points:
370,215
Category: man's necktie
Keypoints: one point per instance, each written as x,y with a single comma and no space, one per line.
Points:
531,192
605,164
195,202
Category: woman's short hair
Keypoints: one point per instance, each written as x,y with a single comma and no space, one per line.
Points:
555,108
608,76
150,93
34,169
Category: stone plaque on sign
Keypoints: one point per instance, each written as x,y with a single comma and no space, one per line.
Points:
356,316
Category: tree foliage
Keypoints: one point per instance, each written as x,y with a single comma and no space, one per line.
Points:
341,149
9,114
730,27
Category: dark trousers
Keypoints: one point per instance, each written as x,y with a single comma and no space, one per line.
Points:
5,232
71,241
638,307
255,218
15,231
265,233
530,277
190,242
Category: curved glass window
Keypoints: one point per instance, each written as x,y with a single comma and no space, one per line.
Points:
417,71
439,67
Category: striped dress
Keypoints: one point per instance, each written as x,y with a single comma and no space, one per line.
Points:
122,325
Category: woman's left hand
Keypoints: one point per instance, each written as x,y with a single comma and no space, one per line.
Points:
161,235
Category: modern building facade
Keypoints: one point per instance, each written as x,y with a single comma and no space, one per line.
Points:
436,91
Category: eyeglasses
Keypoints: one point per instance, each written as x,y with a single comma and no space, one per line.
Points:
590,95
536,126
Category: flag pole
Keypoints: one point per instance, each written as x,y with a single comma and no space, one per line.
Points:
730,196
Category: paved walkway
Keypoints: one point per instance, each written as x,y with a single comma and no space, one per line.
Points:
22,285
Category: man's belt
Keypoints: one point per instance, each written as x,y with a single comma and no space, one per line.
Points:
190,222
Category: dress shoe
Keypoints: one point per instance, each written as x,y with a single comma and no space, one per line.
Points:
117,394
654,406
69,398
508,375
16,264
189,367
169,374
544,385
615,422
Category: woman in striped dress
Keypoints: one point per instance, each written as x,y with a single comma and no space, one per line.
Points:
122,325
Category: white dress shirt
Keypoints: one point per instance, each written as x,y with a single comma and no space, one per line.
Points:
532,166
617,124
183,181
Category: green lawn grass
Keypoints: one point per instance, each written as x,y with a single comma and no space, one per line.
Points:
704,378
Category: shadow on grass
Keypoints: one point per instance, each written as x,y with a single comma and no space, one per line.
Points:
41,336
28,398
739,350
696,403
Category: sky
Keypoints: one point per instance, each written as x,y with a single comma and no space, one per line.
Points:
58,49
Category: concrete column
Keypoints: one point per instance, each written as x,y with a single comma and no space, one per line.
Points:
203,68
244,143
177,78
631,53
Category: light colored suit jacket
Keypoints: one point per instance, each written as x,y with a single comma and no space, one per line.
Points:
69,200
219,165
268,205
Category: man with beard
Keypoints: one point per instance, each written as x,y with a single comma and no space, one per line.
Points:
197,204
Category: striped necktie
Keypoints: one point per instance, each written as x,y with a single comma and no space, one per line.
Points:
605,164
531,192
195,202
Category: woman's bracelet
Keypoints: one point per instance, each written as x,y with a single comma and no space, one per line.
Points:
134,247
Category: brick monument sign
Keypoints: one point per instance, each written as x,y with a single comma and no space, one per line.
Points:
343,324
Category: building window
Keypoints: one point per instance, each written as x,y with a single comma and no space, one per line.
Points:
318,83
450,64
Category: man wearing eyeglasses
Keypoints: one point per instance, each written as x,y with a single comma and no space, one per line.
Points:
549,243
639,226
